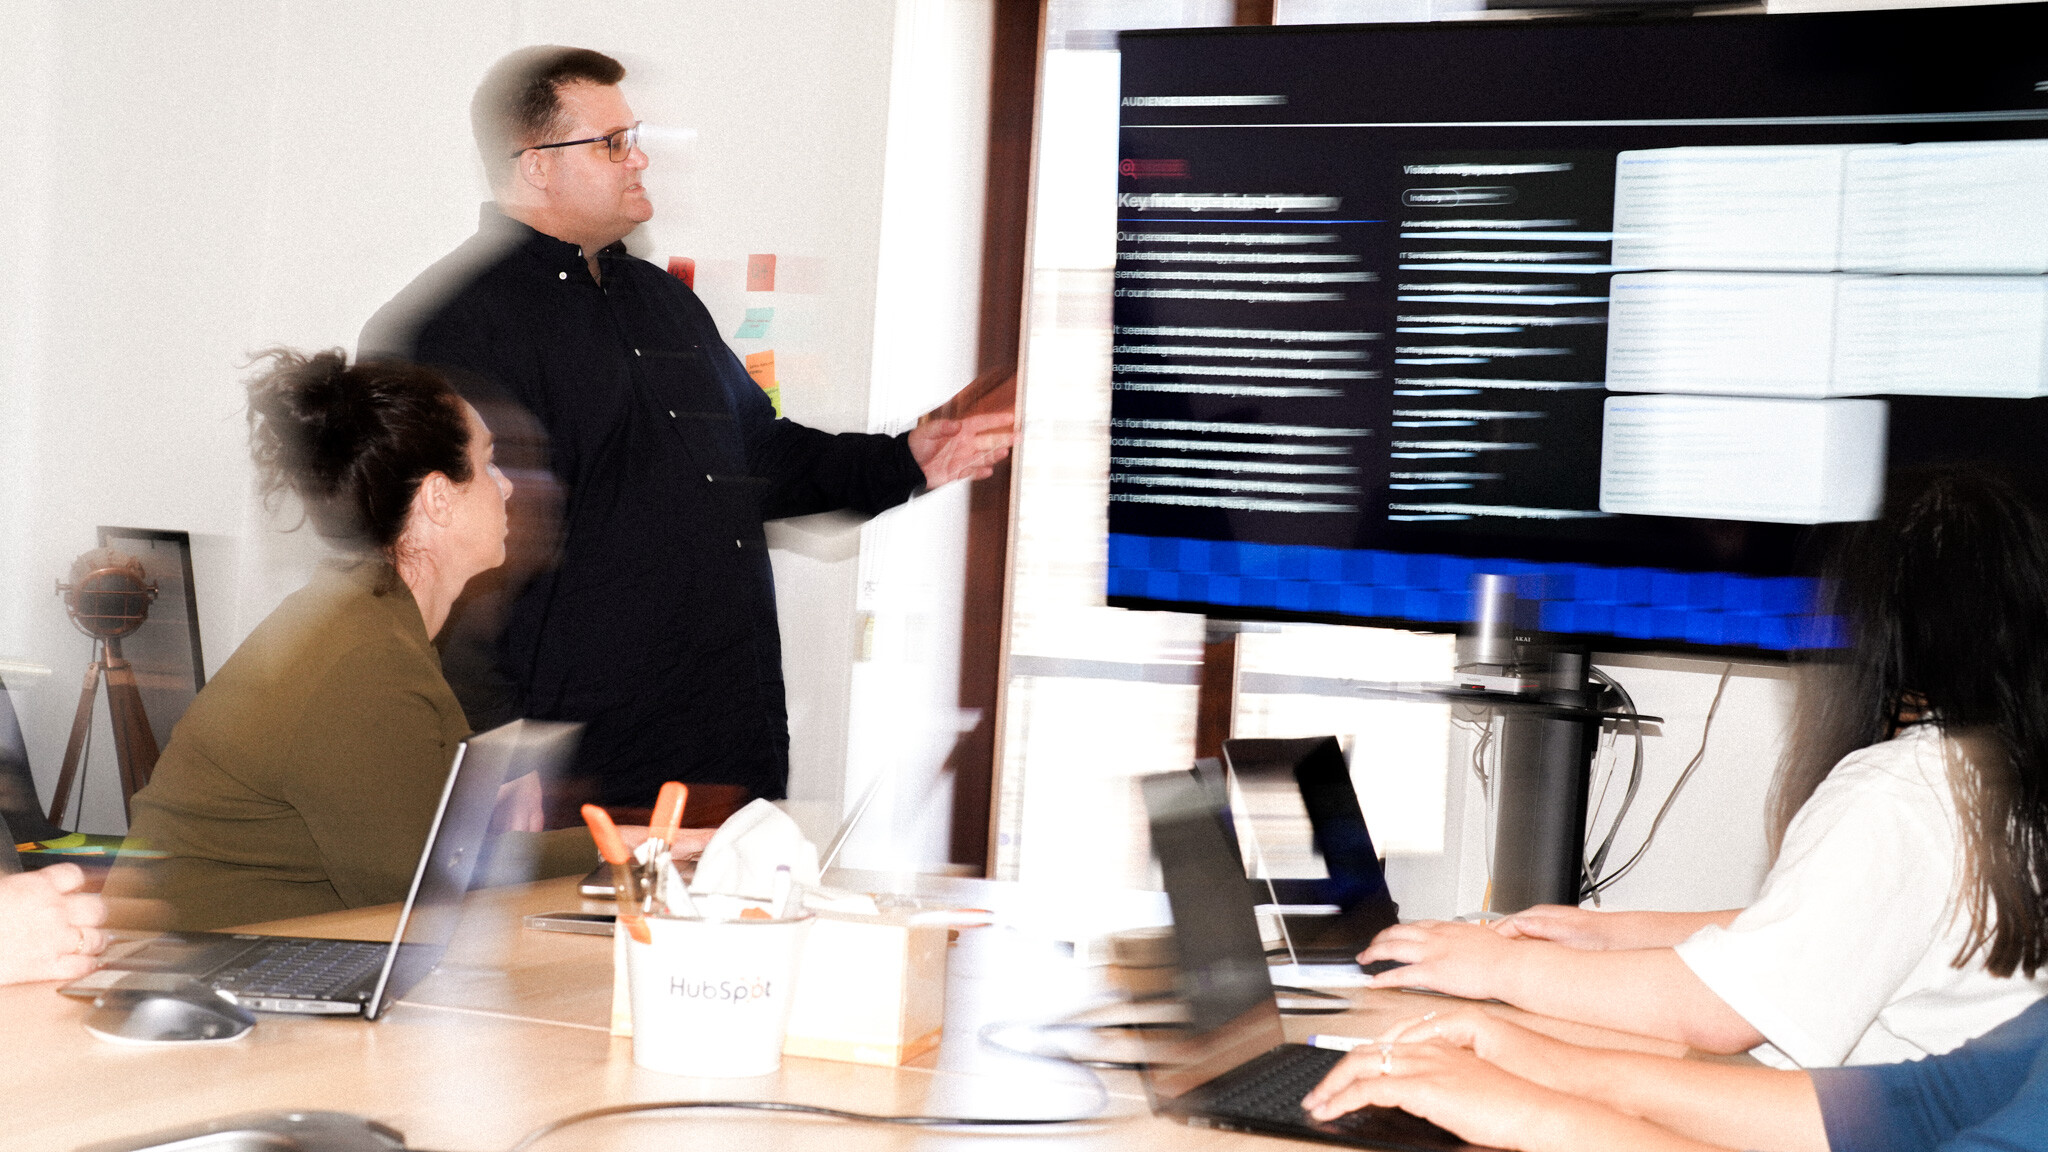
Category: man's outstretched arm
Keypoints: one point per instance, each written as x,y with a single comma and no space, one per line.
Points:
812,471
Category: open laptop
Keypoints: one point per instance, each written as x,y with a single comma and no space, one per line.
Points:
1295,821
1228,1065
361,977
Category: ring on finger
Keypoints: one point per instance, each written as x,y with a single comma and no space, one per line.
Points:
1386,1059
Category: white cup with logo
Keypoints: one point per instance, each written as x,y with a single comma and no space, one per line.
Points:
712,997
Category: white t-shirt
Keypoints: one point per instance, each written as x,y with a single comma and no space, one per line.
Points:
1844,958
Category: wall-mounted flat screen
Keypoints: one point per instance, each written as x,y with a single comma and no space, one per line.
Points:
1627,309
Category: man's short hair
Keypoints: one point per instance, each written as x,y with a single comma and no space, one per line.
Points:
519,102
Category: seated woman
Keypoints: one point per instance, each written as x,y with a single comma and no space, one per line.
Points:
1948,596
1900,916
304,776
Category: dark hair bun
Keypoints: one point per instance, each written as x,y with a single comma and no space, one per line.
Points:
354,442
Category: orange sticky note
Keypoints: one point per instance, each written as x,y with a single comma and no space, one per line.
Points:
685,269
761,272
761,366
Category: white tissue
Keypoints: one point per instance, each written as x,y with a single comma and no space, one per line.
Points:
742,856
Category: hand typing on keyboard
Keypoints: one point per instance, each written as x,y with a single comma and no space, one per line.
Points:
1445,956
1488,1081
1446,1085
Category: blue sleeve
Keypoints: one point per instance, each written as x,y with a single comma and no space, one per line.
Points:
1990,1094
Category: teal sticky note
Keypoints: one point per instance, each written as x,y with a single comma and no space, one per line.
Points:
755,326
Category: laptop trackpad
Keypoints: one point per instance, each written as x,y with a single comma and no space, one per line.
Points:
194,955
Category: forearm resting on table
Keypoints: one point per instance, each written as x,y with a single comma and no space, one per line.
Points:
1724,1105
1648,991
1585,1126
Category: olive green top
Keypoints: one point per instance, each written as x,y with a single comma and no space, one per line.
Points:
304,776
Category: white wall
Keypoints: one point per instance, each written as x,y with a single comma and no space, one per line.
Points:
26,241
1710,851
189,184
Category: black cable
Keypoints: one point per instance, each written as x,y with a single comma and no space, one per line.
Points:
1626,705
1706,730
912,1121
1602,754
554,1126
1591,883
987,1037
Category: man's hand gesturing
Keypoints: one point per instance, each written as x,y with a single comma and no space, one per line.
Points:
967,449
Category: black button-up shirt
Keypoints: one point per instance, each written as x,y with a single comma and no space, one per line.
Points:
656,627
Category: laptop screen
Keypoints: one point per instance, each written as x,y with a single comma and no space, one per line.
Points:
1222,979
456,839
1297,820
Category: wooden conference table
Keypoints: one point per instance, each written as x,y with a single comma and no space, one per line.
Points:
511,1033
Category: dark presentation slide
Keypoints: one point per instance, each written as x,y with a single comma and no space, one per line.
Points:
1629,309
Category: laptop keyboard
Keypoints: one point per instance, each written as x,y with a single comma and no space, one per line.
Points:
306,969
1270,1088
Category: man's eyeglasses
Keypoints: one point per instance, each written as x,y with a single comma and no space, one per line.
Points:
618,145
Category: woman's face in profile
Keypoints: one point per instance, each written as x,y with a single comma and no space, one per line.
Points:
480,525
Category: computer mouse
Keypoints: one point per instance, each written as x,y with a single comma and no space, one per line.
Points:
147,1008
1379,966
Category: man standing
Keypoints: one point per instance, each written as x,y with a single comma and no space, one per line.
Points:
656,624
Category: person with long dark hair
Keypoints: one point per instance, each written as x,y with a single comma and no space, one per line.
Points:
1901,912
1939,711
